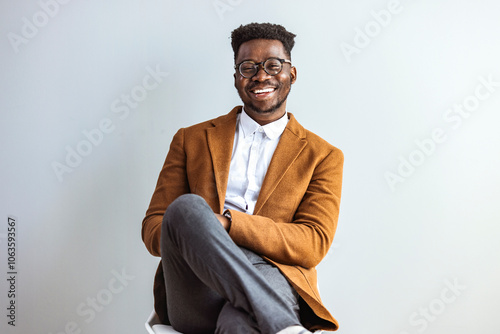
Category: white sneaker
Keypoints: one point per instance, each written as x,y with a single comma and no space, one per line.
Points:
294,330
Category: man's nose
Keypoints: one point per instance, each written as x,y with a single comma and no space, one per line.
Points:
261,75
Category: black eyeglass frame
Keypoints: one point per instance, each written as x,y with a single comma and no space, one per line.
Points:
238,66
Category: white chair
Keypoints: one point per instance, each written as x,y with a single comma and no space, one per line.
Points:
154,326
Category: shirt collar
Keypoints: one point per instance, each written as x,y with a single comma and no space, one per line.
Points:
272,130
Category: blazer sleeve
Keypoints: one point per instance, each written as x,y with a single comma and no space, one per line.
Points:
172,183
307,237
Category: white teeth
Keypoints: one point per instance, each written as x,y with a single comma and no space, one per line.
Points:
267,90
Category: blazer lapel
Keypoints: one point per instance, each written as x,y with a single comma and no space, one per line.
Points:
291,143
220,140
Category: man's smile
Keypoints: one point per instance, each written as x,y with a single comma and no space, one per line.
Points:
262,93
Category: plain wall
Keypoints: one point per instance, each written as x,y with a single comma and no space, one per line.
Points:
409,90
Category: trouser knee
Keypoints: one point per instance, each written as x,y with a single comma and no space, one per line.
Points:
232,320
186,211
182,206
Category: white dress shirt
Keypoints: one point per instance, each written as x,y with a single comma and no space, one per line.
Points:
253,148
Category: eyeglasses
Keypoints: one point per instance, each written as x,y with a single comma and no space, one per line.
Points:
272,66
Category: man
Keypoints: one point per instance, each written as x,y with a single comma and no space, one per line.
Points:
246,206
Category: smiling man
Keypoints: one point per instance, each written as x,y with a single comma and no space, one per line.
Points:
264,99
246,206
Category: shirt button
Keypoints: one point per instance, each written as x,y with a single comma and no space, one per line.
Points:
261,130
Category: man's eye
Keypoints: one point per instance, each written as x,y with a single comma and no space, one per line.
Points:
247,68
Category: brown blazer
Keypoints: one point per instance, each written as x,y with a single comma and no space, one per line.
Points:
296,212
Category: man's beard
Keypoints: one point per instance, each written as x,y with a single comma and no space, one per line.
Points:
252,107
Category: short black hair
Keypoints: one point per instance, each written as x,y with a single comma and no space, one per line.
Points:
248,32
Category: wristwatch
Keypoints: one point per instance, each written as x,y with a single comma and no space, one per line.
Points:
227,214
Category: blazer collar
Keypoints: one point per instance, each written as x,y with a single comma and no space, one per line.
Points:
220,139
292,142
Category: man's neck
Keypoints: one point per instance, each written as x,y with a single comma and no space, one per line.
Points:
265,118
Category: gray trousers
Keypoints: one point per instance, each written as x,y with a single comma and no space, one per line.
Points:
214,286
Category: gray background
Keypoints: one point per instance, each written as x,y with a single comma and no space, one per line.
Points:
398,247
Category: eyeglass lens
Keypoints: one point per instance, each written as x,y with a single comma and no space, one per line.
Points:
272,67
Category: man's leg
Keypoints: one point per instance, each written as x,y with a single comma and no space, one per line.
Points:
235,321
232,320
204,267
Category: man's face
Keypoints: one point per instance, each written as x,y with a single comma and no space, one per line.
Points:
263,95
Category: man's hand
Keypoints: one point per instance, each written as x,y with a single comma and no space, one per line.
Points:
224,221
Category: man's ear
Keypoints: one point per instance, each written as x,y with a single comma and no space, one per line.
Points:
235,78
293,74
